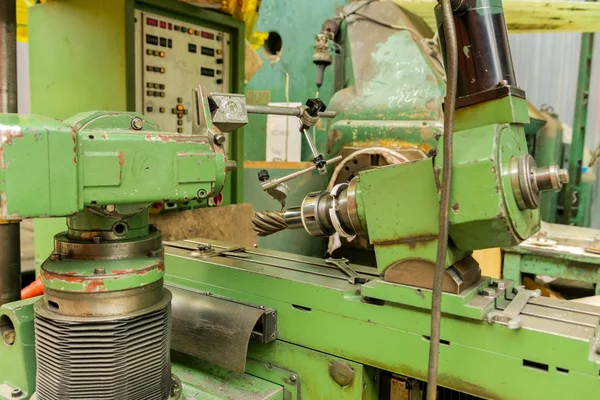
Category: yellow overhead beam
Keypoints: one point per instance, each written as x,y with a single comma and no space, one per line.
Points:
529,16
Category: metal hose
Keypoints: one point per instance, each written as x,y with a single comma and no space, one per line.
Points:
440,264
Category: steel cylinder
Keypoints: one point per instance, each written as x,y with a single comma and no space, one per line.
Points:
484,58
10,263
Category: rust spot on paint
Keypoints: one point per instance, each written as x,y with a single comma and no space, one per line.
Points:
104,137
75,160
412,241
455,207
75,149
121,158
9,133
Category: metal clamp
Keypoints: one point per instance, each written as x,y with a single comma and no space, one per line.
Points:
511,315
343,265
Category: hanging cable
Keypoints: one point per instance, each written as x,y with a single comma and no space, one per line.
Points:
440,264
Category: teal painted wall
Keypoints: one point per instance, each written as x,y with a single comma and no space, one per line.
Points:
297,22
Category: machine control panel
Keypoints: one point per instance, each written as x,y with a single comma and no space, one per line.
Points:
172,57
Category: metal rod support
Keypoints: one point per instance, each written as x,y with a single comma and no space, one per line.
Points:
311,144
291,111
274,182
10,238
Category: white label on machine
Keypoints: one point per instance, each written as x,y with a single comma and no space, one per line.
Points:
284,140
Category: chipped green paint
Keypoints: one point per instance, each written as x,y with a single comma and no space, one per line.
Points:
96,158
201,380
17,362
394,228
72,275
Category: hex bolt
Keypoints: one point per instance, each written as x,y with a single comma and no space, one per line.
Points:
110,208
137,123
219,139
293,377
97,239
99,271
16,393
54,257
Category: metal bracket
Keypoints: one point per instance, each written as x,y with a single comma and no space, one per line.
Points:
343,265
511,314
218,329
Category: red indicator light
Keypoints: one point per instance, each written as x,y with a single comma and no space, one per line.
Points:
163,24
208,35
170,26
152,21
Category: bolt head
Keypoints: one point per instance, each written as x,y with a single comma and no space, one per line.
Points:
219,139
16,393
99,271
293,377
110,208
137,123
97,239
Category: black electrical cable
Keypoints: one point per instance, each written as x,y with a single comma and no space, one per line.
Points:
440,264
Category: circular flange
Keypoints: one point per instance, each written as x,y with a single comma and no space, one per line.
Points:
107,250
104,306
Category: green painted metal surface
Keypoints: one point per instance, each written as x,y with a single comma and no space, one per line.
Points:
201,380
94,158
304,373
573,213
484,212
394,226
467,304
17,361
326,314
564,252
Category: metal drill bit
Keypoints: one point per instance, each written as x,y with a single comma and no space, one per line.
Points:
268,222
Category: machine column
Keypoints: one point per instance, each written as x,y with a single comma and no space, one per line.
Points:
10,245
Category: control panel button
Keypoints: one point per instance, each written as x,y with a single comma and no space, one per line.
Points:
179,130
162,110
149,108
219,81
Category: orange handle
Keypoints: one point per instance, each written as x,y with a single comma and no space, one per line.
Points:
36,288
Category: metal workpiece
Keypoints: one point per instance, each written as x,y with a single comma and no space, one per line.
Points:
130,352
10,263
528,181
218,329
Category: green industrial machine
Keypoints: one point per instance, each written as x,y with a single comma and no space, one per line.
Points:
126,316
129,55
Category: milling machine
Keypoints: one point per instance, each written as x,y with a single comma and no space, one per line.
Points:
260,324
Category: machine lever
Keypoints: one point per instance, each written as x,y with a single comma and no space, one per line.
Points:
343,265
